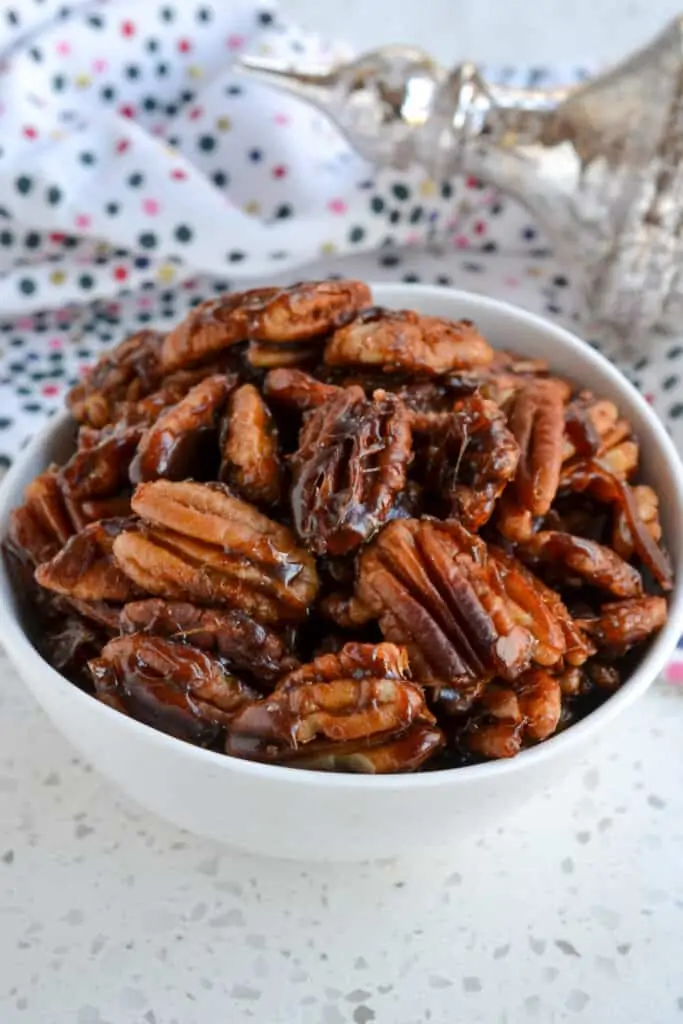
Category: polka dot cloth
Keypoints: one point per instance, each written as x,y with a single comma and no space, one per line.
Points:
139,174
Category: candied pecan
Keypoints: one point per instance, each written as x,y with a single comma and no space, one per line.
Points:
591,562
590,425
42,525
127,373
505,720
622,625
406,753
431,587
251,461
647,506
306,310
298,389
176,688
209,328
470,457
173,446
537,422
349,469
588,476
621,459
101,470
540,701
204,545
116,507
69,644
402,339
342,699
85,569
244,644
265,355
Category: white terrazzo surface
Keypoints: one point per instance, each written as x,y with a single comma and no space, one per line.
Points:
571,912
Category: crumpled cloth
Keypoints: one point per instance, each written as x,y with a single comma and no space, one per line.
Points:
141,173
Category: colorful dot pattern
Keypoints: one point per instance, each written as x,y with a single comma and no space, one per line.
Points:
139,174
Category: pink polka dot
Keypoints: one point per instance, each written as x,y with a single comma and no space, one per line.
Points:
150,206
158,129
281,118
63,48
674,672
100,65
82,220
184,45
50,389
472,182
122,145
413,239
178,174
30,132
127,110
279,171
83,369
195,113
25,323
649,398
480,227
144,302
63,316
55,344
234,42
511,282
461,241
113,309
335,205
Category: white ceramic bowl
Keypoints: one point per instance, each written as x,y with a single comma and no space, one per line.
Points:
319,816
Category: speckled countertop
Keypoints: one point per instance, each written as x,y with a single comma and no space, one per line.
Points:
573,911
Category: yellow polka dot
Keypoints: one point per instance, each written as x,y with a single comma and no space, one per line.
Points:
166,273
194,71
223,124
171,151
327,248
56,135
57,277
83,81
427,187
533,271
265,49
252,207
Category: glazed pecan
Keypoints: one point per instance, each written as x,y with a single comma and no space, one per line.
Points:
264,355
251,460
622,625
42,525
402,339
507,719
125,374
245,645
338,699
269,315
177,444
100,470
537,422
589,424
205,546
405,753
647,506
85,568
469,458
433,587
350,467
173,687
297,389
579,557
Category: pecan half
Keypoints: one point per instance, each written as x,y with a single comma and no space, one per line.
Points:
251,460
402,339
406,753
298,389
647,505
246,645
591,562
432,587
353,661
537,422
470,457
505,720
101,469
175,688
622,625
85,569
350,467
42,525
174,446
316,703
204,545
127,373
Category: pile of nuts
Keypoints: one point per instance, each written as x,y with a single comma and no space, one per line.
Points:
307,531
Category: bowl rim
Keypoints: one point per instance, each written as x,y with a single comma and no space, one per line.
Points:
27,659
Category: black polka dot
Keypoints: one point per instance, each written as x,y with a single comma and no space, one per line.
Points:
446,190
132,71
144,318
676,411
36,54
411,278
12,16
204,14
279,254
390,259
394,216
444,280
187,95
265,18
70,242
53,195
6,238
495,209
147,240
220,178
24,184
235,256
108,92
560,281
27,286
255,155
207,143
162,69
16,342
416,214
356,234
149,104
529,233
136,179
183,233
675,353
670,382
16,368
58,82
152,45
86,281
489,247
32,240
233,90
167,14
641,363
5,461
86,158
473,268
112,209
5,422
283,211
32,407
95,21
552,308
376,204
400,191
172,110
